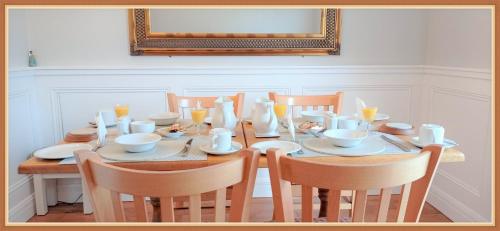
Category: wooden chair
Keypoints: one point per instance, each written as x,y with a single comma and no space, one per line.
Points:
207,102
414,175
315,101
106,182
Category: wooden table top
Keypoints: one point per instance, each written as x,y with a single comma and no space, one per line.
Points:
244,135
36,165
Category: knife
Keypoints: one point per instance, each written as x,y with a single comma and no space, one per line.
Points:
395,143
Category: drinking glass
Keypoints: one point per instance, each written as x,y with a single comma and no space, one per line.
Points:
369,114
198,116
280,110
121,110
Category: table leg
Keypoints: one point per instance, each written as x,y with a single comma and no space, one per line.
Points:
323,197
155,201
40,194
87,206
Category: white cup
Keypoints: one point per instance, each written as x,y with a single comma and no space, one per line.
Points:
345,122
109,117
220,139
142,126
431,134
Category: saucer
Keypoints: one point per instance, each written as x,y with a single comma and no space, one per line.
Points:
286,146
235,146
267,135
447,142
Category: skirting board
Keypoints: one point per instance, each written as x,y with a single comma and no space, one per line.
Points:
452,208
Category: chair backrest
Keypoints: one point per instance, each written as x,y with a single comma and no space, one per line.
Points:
206,101
105,183
414,175
311,100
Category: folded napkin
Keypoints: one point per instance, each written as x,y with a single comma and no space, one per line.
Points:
291,127
360,105
101,129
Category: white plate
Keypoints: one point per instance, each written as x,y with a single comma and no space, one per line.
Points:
370,146
60,151
285,146
447,143
235,146
208,120
403,126
378,116
163,149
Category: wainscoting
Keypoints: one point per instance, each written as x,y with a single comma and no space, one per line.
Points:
67,98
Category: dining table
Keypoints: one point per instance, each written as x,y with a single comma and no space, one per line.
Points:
43,169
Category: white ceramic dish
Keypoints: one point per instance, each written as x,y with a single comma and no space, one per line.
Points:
447,143
402,126
370,146
138,142
60,151
346,138
142,126
313,116
163,150
165,118
286,146
235,146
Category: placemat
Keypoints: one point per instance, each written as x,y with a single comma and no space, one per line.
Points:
155,155
390,149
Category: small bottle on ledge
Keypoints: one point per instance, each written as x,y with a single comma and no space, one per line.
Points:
31,59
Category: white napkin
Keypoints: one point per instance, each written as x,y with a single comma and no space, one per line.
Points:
291,127
360,105
124,125
101,128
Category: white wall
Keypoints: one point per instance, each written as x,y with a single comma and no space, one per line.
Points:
460,100
18,38
459,38
384,58
100,38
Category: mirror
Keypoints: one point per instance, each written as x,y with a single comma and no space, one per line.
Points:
240,31
255,21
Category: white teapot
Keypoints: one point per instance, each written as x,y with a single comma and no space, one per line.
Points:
224,116
264,120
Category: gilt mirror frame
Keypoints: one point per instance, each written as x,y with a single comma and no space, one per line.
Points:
145,42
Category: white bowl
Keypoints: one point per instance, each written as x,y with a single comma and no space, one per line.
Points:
346,138
138,142
165,118
142,126
313,116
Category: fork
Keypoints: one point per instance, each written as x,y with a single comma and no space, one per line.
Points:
187,146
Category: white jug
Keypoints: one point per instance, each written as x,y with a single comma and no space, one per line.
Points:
224,116
264,119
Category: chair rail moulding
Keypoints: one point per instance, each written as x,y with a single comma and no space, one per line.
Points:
145,41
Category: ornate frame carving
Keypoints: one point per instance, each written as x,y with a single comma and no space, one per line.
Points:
144,42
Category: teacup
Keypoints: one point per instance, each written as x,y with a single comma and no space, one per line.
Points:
431,134
220,139
142,126
109,117
345,122
330,120
124,125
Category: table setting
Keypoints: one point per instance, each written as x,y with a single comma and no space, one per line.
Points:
323,133
116,137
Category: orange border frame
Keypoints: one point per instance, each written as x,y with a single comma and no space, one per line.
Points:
3,109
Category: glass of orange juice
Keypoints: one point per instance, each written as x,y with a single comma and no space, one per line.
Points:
198,116
280,110
369,114
121,110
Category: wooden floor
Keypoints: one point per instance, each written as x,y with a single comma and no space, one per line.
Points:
261,211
